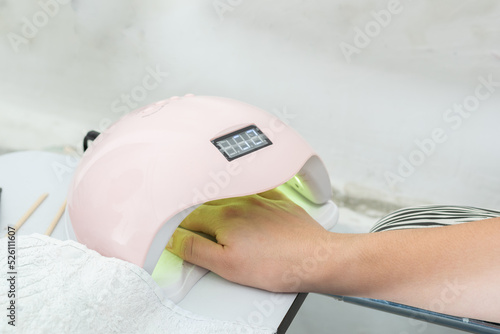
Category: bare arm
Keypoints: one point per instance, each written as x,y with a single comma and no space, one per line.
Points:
267,241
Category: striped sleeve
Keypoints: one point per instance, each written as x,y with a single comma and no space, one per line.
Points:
432,216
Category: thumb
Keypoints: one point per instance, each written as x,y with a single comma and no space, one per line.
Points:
195,249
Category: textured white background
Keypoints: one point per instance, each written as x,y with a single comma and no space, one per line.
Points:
282,55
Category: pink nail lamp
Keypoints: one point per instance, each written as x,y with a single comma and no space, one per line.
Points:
148,171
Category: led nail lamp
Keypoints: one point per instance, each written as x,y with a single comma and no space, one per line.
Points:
148,171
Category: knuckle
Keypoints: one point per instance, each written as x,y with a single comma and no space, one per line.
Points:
187,248
231,211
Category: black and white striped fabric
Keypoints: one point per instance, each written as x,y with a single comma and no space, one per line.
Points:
432,216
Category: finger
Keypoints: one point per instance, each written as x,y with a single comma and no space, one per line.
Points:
204,218
273,194
217,202
195,249
224,201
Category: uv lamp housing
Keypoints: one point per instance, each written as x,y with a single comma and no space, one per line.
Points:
148,171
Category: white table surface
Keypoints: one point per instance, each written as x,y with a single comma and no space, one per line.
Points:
25,176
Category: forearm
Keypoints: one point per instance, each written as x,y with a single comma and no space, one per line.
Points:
453,270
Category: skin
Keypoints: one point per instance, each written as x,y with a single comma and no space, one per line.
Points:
268,242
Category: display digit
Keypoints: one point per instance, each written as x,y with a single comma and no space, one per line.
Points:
252,134
241,142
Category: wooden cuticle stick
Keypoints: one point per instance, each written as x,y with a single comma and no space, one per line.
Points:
30,211
56,219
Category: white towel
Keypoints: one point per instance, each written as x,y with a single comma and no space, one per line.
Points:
63,287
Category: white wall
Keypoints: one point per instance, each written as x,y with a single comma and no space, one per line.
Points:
361,115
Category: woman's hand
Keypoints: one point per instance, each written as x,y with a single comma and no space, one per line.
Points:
262,241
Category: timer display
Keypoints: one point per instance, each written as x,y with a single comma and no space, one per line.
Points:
241,142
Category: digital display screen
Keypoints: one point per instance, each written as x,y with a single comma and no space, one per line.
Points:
241,142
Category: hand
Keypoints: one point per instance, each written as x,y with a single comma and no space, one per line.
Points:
262,241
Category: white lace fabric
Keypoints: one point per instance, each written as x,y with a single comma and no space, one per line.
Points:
63,287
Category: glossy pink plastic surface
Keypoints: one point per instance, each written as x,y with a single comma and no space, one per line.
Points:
159,160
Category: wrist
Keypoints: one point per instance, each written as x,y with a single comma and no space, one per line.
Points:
334,256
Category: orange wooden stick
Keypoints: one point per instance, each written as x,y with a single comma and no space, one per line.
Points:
56,219
28,213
